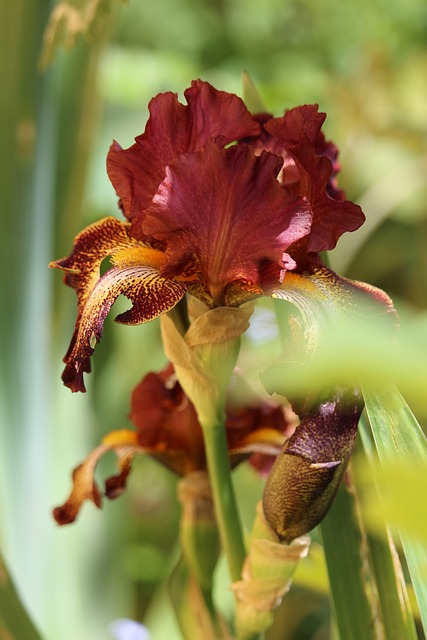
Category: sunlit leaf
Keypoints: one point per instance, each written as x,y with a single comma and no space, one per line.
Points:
400,441
351,580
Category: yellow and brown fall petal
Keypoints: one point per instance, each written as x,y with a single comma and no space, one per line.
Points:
98,241
150,294
136,276
108,238
125,445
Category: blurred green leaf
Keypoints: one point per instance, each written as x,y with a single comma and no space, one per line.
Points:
364,355
251,96
399,439
14,620
350,575
397,434
392,591
403,490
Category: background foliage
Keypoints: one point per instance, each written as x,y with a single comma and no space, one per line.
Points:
365,63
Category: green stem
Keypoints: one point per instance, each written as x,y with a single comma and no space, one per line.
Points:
227,515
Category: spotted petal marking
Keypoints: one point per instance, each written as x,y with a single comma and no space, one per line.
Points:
151,295
99,240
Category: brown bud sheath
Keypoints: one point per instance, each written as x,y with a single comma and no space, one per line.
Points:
308,471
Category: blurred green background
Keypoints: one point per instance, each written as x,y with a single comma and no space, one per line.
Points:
365,63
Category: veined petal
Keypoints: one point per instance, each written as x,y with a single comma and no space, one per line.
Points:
124,444
151,295
299,133
225,210
174,129
323,297
101,239
306,475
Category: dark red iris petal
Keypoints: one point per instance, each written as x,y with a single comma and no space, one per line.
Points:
167,422
174,129
225,210
299,132
168,427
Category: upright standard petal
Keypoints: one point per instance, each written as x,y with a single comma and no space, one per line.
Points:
174,129
224,210
310,168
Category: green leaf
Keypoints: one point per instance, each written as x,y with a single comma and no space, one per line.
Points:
14,619
251,95
350,576
400,439
391,586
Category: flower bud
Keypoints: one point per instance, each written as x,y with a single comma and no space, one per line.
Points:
306,475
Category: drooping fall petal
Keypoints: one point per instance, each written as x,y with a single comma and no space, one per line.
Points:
151,295
91,246
299,134
225,210
174,129
307,474
325,298
124,445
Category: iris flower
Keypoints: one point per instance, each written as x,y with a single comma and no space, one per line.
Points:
223,222
168,430
226,206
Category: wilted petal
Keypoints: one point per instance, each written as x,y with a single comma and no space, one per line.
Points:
306,475
151,295
299,133
124,444
224,209
174,129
